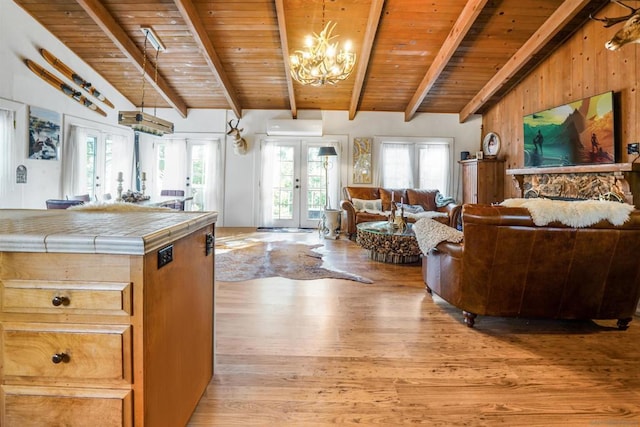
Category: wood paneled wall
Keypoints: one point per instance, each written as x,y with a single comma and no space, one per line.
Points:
581,67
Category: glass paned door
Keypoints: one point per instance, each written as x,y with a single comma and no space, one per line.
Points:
99,174
293,184
191,165
202,161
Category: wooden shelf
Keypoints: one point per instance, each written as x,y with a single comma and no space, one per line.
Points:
605,168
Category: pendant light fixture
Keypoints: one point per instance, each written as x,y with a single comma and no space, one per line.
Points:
139,120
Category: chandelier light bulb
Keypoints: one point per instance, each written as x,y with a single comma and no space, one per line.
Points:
321,62
308,41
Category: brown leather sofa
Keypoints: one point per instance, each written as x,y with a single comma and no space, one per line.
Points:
425,198
507,266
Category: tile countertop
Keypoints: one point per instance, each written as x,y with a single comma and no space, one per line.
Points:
67,231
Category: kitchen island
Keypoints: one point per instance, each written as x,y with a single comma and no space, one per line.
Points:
106,318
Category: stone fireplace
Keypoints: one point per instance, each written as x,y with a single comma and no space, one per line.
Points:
619,181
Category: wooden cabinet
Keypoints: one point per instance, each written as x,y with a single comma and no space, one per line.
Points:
107,339
482,181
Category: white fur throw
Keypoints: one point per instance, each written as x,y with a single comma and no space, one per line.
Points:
118,207
430,232
426,214
580,213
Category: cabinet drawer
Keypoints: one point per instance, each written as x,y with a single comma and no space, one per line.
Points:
52,406
82,353
33,296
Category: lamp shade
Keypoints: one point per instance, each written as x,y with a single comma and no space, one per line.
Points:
327,151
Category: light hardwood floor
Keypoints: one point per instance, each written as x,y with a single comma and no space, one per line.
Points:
321,352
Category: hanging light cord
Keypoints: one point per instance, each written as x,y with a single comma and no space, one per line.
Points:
155,79
144,68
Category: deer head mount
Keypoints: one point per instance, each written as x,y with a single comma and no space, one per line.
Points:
630,32
239,143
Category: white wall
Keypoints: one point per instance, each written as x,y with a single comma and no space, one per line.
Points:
21,37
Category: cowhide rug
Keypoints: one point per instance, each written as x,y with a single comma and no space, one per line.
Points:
246,260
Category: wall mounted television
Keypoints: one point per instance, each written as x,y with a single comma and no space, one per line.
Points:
577,133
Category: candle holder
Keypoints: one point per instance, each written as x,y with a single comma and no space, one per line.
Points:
144,183
120,181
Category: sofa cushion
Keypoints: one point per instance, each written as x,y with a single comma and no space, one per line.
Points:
361,193
424,198
367,205
399,194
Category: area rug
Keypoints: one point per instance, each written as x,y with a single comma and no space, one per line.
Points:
246,260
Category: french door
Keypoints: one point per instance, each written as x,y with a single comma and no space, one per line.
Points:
293,182
191,165
104,157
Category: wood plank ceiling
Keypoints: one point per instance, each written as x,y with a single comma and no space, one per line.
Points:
439,56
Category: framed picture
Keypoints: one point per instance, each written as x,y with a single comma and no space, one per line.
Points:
479,155
491,145
44,134
362,160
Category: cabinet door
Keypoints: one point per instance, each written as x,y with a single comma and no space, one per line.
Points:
178,318
490,181
470,182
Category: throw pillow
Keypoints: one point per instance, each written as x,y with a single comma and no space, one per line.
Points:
364,205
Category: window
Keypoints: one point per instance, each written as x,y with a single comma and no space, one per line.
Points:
416,163
6,147
93,159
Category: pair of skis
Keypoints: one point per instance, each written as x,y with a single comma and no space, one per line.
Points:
64,87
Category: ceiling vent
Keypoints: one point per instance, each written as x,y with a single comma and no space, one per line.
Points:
294,127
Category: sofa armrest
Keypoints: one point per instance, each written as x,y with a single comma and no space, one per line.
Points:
349,214
455,214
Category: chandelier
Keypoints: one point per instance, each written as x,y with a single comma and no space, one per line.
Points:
139,120
321,62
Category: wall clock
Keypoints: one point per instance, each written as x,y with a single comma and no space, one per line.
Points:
491,145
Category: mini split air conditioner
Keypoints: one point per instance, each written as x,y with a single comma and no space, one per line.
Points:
294,127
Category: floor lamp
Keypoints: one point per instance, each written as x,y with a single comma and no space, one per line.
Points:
331,216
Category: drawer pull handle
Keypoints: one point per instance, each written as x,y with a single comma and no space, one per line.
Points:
60,357
58,301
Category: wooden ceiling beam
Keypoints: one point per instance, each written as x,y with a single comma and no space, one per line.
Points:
199,33
375,13
101,16
560,17
458,32
284,45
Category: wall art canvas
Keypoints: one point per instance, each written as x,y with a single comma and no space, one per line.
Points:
44,134
577,133
362,160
